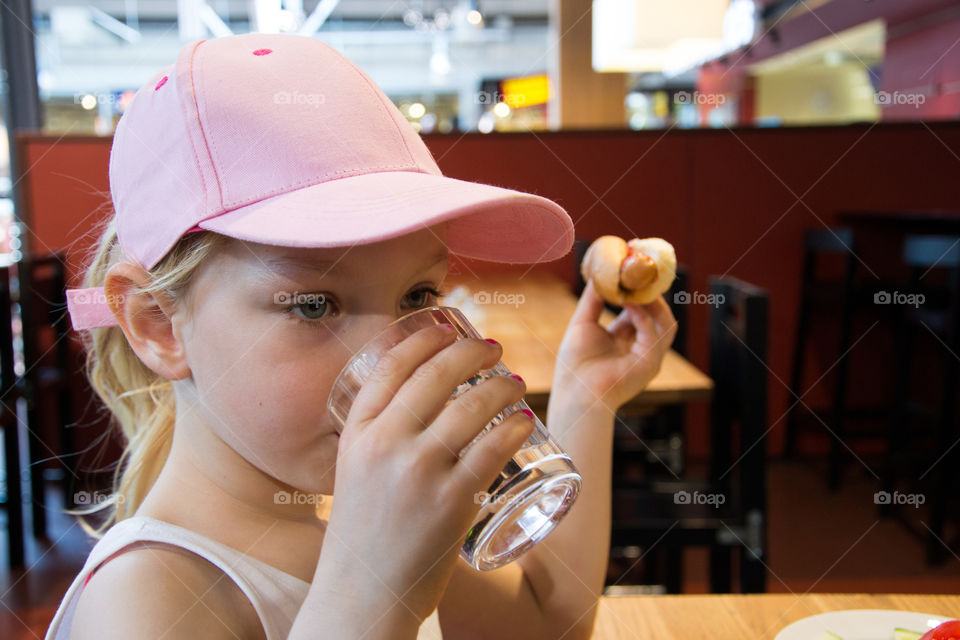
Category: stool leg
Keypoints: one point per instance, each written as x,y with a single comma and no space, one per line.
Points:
14,501
753,575
721,579
68,448
896,427
674,578
836,455
946,468
799,351
35,446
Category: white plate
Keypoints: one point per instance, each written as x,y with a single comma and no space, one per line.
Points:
859,624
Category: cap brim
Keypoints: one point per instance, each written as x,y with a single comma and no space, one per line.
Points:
485,222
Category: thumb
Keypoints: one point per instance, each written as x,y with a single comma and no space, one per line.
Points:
589,307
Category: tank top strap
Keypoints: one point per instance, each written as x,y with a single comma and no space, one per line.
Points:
275,595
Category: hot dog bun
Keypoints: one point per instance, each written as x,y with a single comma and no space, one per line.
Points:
634,272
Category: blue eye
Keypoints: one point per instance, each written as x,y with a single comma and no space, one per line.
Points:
310,306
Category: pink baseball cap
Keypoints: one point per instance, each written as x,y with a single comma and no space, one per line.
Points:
280,139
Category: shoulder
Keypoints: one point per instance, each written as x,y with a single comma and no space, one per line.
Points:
155,590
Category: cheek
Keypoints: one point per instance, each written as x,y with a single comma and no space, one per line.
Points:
269,386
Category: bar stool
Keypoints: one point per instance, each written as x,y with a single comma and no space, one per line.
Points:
45,382
936,313
818,294
13,500
726,510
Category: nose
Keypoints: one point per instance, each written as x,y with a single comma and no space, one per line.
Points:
365,327
361,330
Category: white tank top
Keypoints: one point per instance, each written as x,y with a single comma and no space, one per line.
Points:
275,595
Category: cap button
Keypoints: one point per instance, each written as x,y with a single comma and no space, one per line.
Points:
262,52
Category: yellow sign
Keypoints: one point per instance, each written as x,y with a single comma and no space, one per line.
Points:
525,92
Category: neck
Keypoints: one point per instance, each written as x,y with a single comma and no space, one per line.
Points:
204,477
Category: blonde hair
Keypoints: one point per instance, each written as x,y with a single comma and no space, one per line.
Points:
140,401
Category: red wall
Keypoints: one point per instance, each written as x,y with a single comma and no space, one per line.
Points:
731,201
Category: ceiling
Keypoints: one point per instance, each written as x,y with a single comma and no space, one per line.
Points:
362,10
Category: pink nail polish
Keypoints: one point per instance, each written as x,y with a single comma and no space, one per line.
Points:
492,341
516,377
528,413
445,325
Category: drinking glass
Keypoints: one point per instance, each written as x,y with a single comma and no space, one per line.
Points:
533,491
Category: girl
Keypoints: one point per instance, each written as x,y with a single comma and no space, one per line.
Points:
273,210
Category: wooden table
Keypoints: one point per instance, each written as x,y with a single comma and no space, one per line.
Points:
718,617
528,315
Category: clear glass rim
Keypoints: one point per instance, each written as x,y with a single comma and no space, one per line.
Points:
371,341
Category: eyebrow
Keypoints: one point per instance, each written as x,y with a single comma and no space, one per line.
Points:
338,266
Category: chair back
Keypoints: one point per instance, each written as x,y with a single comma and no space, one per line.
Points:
738,366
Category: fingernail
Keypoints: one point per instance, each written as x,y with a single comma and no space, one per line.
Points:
446,325
516,377
528,413
492,341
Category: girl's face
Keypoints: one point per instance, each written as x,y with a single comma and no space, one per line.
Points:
268,330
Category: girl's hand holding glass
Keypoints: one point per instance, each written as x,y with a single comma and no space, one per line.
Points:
400,484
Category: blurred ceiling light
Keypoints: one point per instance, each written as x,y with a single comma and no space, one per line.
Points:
636,100
412,17
264,15
486,123
474,17
417,110
648,35
440,58
45,79
441,18
88,102
287,20
440,63
501,109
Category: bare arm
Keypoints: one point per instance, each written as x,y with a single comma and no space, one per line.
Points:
567,570
347,601
552,590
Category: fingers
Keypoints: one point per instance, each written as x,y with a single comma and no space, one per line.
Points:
429,384
469,413
662,315
621,323
656,318
483,462
394,368
589,306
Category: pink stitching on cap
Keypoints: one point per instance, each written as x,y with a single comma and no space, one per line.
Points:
262,52
162,82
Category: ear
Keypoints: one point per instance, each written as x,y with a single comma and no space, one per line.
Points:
146,320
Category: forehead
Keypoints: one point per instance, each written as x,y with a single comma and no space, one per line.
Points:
410,252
